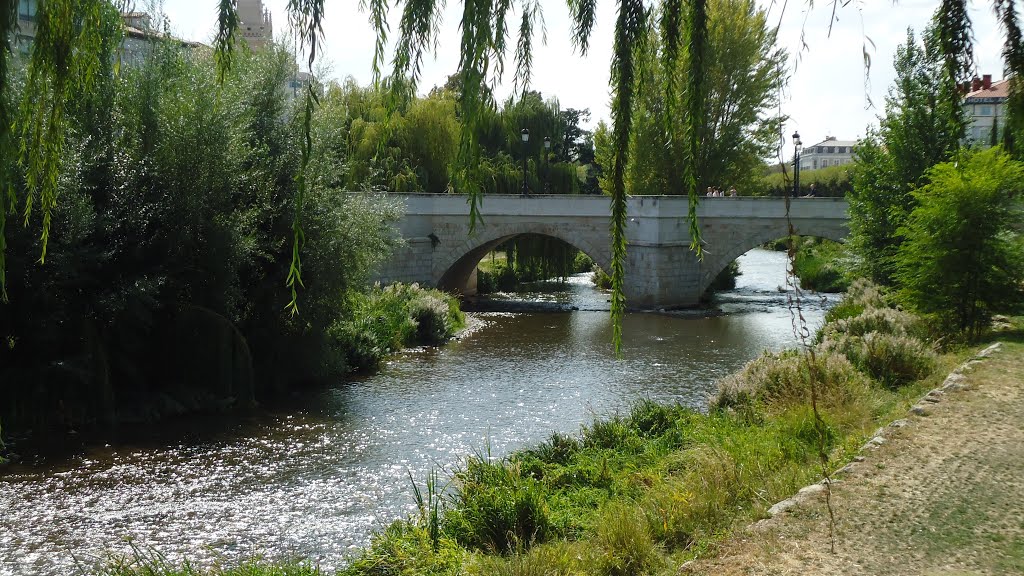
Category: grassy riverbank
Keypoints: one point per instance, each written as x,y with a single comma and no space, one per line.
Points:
643,492
941,495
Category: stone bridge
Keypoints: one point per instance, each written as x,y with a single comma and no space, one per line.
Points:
661,270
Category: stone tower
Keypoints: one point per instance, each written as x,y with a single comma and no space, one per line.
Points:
255,23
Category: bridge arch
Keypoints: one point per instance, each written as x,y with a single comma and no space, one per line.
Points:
720,254
455,265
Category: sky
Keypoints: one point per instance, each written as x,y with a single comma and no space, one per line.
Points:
827,94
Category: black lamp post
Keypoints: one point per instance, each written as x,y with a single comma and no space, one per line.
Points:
547,148
797,146
526,138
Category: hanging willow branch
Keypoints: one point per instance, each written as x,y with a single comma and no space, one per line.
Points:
671,30
65,61
630,31
695,90
1013,56
8,201
224,41
306,17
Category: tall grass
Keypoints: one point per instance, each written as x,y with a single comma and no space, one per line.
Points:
143,562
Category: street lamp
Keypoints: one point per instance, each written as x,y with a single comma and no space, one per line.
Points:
797,146
547,147
526,138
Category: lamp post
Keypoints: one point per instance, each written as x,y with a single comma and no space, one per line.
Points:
547,148
797,144
526,138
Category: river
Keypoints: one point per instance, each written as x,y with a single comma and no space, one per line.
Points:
315,480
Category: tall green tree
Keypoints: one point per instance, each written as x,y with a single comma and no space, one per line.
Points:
961,259
922,126
739,121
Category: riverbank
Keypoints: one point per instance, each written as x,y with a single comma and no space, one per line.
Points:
648,491
941,494
376,324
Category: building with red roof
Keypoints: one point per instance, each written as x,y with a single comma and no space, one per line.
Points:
985,109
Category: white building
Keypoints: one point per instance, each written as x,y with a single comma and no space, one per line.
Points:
255,23
984,107
828,152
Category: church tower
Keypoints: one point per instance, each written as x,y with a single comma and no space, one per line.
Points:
255,24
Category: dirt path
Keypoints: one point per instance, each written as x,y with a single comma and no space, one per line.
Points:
943,495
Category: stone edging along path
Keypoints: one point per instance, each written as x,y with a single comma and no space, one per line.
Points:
956,381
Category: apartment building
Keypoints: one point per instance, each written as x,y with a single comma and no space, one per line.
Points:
829,152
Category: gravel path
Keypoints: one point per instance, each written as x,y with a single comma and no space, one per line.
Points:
942,495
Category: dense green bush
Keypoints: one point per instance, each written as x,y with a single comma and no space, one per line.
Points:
496,508
163,279
961,259
582,263
820,265
600,278
890,359
780,380
726,279
386,319
497,278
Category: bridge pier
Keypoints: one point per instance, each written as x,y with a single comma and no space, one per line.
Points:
660,271
661,276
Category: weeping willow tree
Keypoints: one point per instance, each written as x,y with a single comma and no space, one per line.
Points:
65,57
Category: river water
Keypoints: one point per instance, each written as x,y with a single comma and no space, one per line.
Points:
316,480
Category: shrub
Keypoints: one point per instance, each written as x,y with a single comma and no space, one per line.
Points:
819,266
433,317
961,259
726,279
501,278
864,293
407,549
601,279
582,263
497,509
883,320
892,360
390,318
778,381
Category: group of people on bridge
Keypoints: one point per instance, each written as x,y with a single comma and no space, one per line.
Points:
715,192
